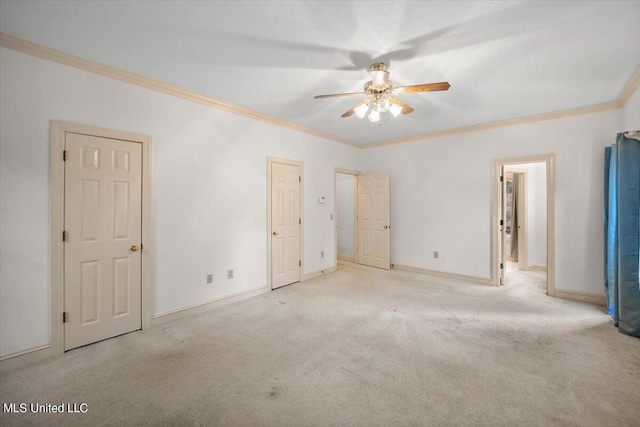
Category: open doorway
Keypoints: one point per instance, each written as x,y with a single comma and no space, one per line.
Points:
524,236
516,214
525,225
362,212
345,215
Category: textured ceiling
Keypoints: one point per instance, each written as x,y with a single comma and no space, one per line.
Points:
504,60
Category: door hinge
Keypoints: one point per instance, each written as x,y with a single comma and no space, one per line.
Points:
501,178
299,263
141,246
64,236
64,317
299,220
64,155
501,266
501,222
299,179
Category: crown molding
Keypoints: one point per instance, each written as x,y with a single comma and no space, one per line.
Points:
499,124
629,89
37,50
34,49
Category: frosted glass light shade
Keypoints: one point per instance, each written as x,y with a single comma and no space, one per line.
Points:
395,109
374,116
361,110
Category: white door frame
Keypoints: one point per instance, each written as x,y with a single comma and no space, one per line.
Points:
270,161
58,132
336,171
549,160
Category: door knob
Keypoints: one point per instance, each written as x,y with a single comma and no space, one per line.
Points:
134,248
386,226
275,233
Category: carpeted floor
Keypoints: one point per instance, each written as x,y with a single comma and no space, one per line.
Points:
359,347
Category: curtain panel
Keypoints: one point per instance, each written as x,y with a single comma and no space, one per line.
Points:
622,233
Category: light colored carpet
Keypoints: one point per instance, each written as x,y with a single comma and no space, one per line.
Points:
354,348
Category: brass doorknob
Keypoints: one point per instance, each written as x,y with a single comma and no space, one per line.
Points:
134,248
386,226
275,233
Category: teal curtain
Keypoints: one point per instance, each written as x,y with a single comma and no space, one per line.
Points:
622,234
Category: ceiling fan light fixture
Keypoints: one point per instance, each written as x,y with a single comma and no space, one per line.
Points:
380,95
361,110
382,105
395,109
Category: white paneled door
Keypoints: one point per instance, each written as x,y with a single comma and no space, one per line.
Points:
285,224
373,220
103,229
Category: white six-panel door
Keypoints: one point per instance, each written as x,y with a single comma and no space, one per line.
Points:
285,224
102,249
373,220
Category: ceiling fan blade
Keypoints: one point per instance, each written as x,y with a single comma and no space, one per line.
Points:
427,87
335,95
350,111
406,109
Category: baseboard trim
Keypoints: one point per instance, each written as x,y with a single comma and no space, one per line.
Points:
582,297
445,275
537,267
345,258
354,264
170,316
318,273
25,357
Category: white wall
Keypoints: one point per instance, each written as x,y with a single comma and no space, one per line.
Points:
441,195
345,195
631,112
214,163
209,189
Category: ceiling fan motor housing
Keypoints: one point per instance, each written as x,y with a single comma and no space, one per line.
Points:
380,79
371,89
379,75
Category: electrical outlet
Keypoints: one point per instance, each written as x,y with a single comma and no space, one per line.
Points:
436,254
229,274
209,279
321,254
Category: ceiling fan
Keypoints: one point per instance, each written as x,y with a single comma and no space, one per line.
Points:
380,95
